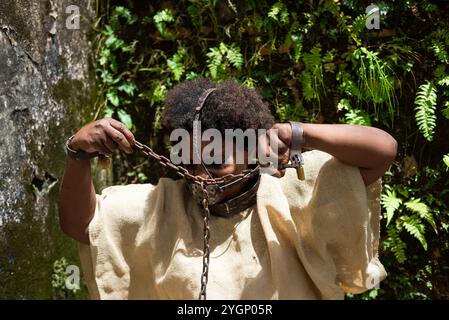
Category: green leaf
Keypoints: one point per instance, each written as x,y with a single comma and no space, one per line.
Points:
161,19
391,203
108,112
344,104
128,87
440,51
414,226
113,98
397,246
125,13
234,56
415,205
158,94
425,107
125,118
164,16
444,81
358,117
176,65
279,13
142,177
446,160
219,58
312,76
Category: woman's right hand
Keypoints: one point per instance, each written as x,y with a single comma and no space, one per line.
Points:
103,136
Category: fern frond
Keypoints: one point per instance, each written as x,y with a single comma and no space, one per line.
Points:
415,205
425,107
279,13
344,104
307,86
446,160
415,227
213,63
175,64
440,51
357,117
396,244
391,203
444,81
312,76
234,56
161,19
223,56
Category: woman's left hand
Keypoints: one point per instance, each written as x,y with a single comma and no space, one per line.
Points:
277,147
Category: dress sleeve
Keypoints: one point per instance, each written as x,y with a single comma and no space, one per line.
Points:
337,224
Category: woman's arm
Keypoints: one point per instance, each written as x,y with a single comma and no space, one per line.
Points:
371,149
77,198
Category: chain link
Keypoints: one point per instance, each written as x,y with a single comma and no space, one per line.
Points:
183,172
206,250
202,182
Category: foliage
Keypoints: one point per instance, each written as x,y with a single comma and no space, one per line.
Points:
59,281
425,107
221,58
313,61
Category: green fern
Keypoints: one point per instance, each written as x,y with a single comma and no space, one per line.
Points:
375,81
390,202
161,19
219,58
357,117
344,104
214,61
444,81
307,87
359,24
176,65
353,116
234,56
415,205
415,227
396,244
446,160
312,76
440,51
279,13
425,106
124,13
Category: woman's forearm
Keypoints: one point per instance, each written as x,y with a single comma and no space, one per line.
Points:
77,199
364,147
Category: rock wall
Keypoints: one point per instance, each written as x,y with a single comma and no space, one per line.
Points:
47,91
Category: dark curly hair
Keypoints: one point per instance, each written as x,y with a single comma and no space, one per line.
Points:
231,106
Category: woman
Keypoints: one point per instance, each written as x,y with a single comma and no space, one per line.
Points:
278,236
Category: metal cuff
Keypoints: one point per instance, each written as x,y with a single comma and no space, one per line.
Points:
78,155
296,158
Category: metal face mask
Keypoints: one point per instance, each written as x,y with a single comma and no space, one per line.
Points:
214,186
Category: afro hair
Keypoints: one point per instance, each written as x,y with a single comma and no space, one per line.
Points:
231,106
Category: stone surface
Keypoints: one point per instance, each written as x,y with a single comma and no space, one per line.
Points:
47,92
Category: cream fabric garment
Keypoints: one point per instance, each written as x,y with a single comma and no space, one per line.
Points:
311,239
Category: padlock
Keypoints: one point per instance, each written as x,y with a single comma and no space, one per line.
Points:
300,172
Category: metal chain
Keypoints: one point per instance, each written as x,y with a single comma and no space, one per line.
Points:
206,250
183,172
202,182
